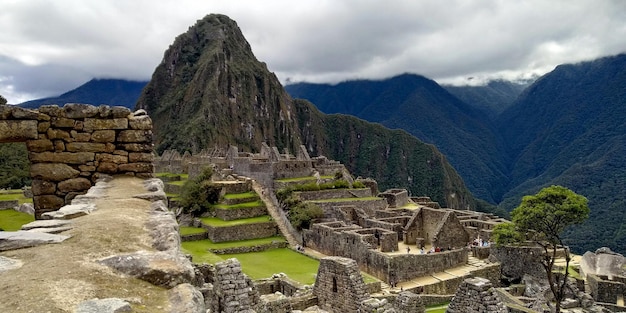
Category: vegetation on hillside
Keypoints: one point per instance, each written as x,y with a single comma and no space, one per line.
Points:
14,166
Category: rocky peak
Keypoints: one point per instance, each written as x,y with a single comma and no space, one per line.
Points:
210,73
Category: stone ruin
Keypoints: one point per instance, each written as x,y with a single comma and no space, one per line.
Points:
476,295
264,167
71,147
605,273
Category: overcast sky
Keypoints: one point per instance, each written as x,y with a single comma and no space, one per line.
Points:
49,47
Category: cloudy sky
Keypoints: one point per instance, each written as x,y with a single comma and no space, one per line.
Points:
49,47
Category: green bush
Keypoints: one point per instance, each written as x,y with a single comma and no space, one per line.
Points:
200,194
358,184
301,215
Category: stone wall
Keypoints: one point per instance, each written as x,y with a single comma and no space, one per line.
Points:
476,295
241,232
516,261
333,194
229,214
9,204
71,147
339,285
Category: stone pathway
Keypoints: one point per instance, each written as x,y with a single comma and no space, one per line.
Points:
272,207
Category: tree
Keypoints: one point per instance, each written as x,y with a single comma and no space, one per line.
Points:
199,194
3,101
542,218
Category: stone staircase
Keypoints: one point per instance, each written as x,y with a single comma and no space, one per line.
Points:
273,208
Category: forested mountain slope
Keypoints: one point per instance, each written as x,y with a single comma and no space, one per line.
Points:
210,90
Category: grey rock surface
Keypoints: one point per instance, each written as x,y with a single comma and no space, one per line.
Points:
24,239
27,208
70,211
152,196
154,184
158,268
185,298
163,228
46,224
109,305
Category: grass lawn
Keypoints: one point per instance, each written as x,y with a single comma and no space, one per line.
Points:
438,308
259,265
11,220
240,195
186,230
253,204
15,195
216,222
168,175
177,183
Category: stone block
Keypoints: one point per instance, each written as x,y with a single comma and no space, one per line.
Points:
80,136
138,147
57,134
52,171
79,110
92,124
135,136
85,147
111,158
113,305
142,122
137,167
103,136
62,157
39,145
43,187
16,131
74,184
140,157
59,145
119,111
87,168
46,203
24,239
120,152
24,114
62,122
43,127
52,110
107,167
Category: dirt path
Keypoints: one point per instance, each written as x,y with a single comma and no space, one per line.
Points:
55,278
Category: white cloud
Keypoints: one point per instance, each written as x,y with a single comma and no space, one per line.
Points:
59,43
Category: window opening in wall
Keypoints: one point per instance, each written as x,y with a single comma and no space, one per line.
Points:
334,284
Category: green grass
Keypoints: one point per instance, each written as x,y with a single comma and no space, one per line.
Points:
437,308
16,194
264,264
348,199
182,176
216,222
199,252
186,230
177,183
244,195
11,220
253,204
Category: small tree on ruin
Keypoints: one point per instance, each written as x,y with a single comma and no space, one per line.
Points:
542,218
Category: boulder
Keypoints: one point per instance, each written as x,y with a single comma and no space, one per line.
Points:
185,298
109,305
70,211
158,268
27,208
154,184
24,239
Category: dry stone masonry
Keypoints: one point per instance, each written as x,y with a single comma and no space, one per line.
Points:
70,147
476,295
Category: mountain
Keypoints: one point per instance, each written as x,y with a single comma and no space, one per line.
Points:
568,128
210,90
96,91
565,128
492,98
429,112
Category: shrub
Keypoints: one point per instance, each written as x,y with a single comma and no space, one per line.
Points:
358,184
198,195
301,215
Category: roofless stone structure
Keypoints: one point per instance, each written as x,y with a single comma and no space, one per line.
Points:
70,147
